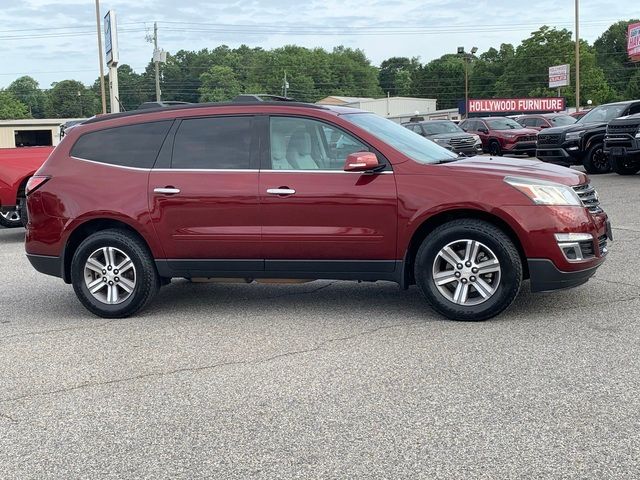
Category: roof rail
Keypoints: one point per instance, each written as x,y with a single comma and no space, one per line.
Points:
261,97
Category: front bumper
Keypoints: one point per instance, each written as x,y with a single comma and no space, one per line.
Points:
520,147
567,154
545,276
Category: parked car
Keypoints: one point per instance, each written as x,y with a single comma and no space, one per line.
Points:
257,190
448,135
622,144
16,166
501,135
545,120
582,143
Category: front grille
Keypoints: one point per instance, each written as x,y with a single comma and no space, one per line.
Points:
549,139
624,128
587,249
602,245
462,142
619,140
589,197
527,138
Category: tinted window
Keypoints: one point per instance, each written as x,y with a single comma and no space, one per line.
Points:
562,120
303,144
129,146
604,113
213,143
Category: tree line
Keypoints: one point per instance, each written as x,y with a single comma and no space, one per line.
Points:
221,73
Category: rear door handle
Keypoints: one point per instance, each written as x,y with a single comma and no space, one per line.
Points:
281,191
166,190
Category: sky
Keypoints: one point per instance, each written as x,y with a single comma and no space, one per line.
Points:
56,40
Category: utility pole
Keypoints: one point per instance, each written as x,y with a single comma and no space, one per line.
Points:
156,59
285,85
577,56
102,87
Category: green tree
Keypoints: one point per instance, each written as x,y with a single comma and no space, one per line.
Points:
71,99
611,56
219,83
11,108
27,90
442,79
132,89
396,74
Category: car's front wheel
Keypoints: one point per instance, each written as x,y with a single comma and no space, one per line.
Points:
596,162
113,274
625,166
11,219
494,148
468,270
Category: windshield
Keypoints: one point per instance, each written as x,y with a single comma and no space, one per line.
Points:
603,113
503,124
402,139
562,120
436,128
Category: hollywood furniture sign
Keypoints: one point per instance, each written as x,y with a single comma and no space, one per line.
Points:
516,105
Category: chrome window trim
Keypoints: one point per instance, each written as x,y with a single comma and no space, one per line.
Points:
95,162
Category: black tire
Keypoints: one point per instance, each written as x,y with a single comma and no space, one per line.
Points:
494,238
494,148
11,219
624,165
147,279
24,214
596,161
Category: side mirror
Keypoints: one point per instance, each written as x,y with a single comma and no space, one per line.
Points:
544,125
483,130
361,162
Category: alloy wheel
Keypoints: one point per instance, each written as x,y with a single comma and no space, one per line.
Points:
12,216
466,272
110,275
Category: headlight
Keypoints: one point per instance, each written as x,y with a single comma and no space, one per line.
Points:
545,193
440,140
638,134
476,138
509,136
574,135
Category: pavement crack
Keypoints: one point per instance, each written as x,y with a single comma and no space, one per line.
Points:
177,371
613,282
57,330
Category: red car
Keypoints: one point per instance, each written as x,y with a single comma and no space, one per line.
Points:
502,135
280,190
545,120
16,166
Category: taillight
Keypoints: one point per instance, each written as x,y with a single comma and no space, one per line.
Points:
35,183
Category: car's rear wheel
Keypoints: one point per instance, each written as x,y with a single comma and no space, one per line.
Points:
596,161
625,166
11,219
113,274
468,270
494,148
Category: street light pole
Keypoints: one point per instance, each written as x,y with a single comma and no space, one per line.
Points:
100,60
577,56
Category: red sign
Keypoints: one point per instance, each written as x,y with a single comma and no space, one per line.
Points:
516,105
633,41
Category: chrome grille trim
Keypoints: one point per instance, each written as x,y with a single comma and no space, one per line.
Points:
589,197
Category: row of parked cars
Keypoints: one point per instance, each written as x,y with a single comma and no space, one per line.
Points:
604,138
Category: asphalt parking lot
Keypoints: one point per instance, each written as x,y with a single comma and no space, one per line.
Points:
325,379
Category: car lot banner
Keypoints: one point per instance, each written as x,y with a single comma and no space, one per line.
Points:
633,41
559,76
516,105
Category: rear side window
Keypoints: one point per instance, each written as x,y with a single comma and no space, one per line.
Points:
128,146
213,143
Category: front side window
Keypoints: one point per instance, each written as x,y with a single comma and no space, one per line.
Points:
129,146
436,128
603,113
395,135
213,143
305,144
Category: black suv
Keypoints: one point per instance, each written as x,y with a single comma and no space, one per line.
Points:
448,135
582,142
622,144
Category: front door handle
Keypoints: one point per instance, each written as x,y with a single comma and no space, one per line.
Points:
166,190
281,191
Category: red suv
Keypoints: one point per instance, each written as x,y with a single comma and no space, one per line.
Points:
501,135
283,190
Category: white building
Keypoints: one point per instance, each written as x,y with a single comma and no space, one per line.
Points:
387,107
30,132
